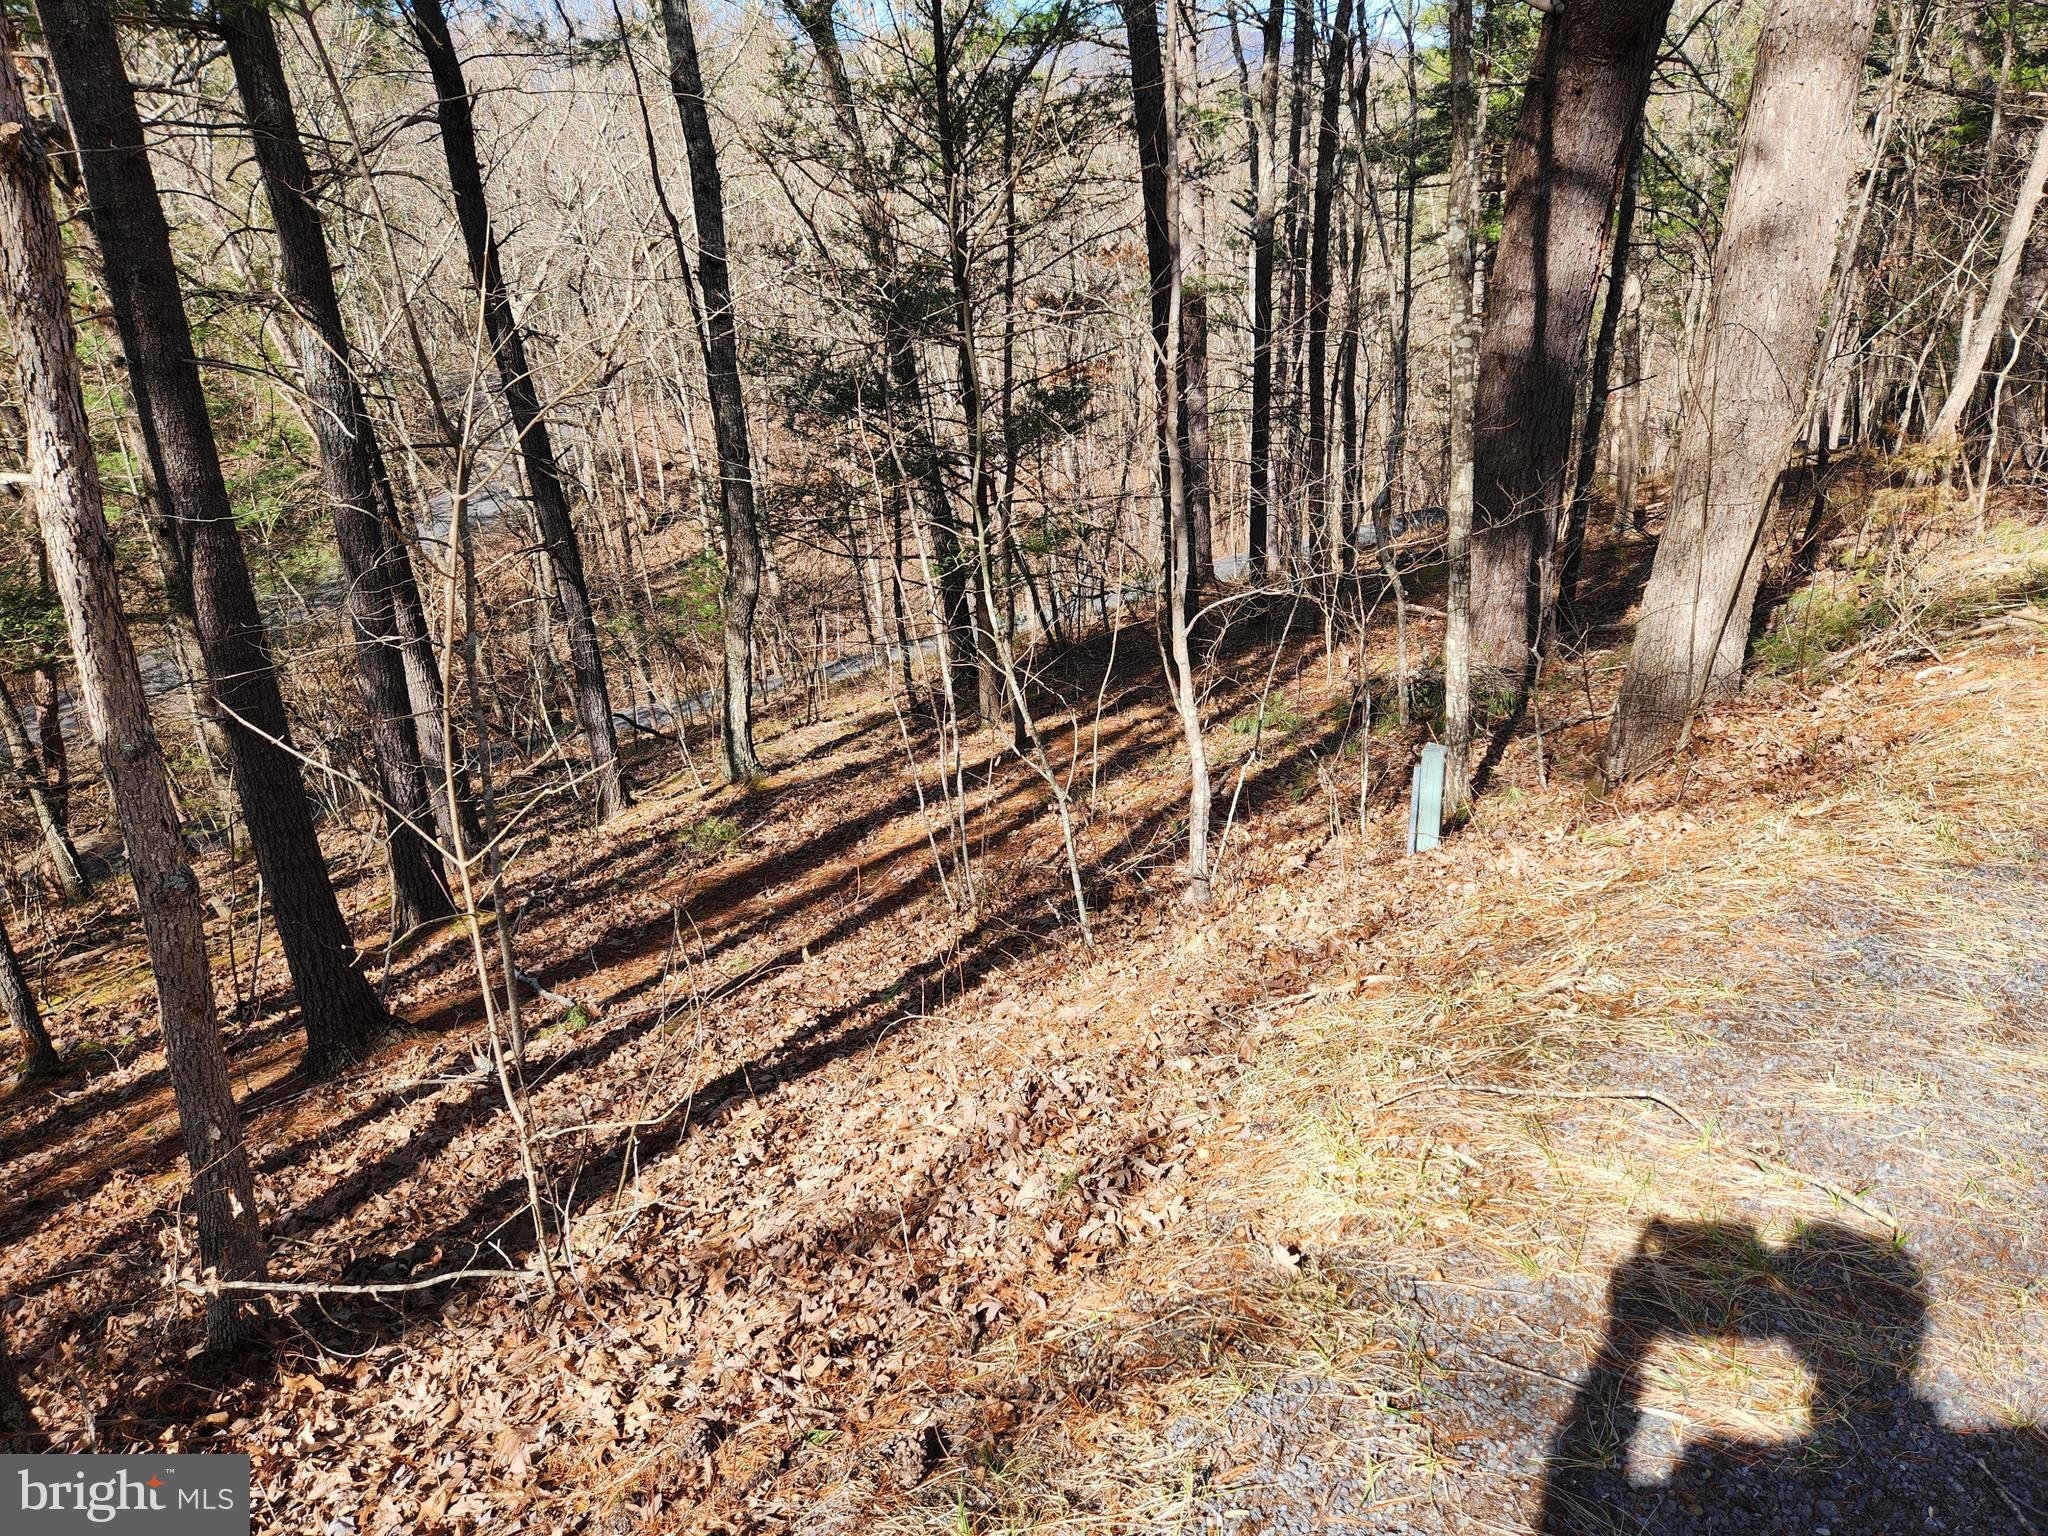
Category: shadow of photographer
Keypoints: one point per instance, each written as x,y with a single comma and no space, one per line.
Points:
1875,1460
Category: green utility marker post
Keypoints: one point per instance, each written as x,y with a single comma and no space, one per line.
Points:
1426,800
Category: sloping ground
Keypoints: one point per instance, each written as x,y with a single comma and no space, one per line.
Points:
1299,1212
1673,1161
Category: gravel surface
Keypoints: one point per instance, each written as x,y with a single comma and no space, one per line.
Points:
1895,1060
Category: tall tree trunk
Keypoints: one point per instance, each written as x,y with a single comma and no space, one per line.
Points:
1265,212
1290,482
1151,99
1194,299
455,112
341,425
39,1056
1155,154
1627,448
1990,324
24,767
1779,233
1584,98
1321,198
1152,123
742,593
1579,505
446,772
339,1008
74,527
1460,236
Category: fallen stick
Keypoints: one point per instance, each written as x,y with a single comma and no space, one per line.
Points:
318,1288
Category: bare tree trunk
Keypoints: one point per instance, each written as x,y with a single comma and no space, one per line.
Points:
340,1010
1459,236
1152,119
32,282
1262,148
1321,198
1155,159
1289,482
742,592
1194,298
1149,81
1579,507
457,118
39,1055
1990,323
1756,352
1585,96
341,425
24,767
1627,447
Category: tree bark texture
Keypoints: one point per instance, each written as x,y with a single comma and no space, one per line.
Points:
339,1008
742,590
1751,371
1584,99
39,1055
74,527
370,555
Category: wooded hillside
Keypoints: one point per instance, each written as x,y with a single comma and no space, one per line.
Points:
711,720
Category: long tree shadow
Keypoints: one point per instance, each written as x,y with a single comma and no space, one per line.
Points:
497,1221
1875,1460
497,1229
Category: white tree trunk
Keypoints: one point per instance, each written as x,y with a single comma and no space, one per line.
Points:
1990,321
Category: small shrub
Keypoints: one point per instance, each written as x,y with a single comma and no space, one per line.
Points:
708,836
1279,717
1814,625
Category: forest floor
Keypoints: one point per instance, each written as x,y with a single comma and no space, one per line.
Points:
1320,1208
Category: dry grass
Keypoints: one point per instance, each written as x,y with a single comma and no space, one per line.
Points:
1533,1064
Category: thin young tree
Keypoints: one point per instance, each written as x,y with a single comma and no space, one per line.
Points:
1579,113
38,1053
1990,322
370,557
339,1008
742,589
455,112
1151,101
1193,214
74,527
1262,144
1579,503
1459,251
23,767
1322,198
1755,353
